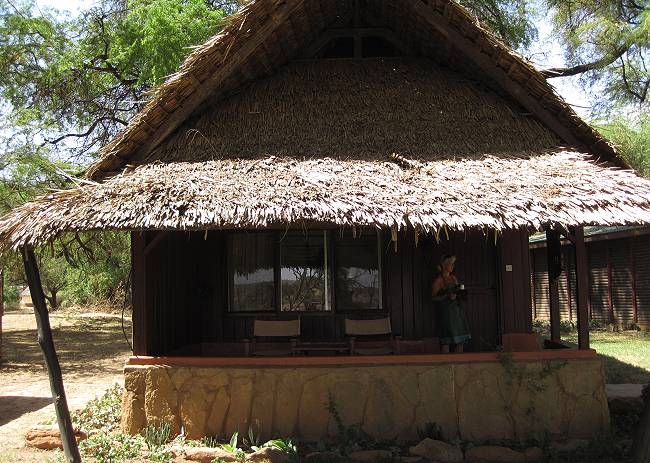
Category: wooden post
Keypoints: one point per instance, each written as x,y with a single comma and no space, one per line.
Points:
2,305
554,262
582,286
46,342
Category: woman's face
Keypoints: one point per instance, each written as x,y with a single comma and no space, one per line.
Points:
448,264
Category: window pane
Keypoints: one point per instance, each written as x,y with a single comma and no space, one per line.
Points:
251,272
304,272
358,284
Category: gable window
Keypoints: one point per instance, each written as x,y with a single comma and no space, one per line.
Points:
301,271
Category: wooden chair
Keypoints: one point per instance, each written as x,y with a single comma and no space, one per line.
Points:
279,329
372,329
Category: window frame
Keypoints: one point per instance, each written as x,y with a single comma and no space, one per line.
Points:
329,243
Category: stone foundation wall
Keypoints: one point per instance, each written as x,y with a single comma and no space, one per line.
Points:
476,401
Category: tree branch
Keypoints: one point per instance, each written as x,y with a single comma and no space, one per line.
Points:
581,68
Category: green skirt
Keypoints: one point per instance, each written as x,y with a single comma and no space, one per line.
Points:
453,323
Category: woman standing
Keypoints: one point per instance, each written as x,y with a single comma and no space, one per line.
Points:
451,317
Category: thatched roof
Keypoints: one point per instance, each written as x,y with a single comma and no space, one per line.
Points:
496,191
266,34
466,134
364,109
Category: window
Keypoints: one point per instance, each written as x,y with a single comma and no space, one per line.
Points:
358,275
304,272
294,271
252,283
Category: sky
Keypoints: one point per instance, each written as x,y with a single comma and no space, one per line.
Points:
545,53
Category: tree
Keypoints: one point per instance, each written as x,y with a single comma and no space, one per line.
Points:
71,84
632,138
607,42
510,20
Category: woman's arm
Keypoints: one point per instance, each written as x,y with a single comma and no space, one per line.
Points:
438,284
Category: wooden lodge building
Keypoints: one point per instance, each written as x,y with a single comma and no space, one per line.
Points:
311,164
618,265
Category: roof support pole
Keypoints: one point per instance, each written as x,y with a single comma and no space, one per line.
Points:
582,285
554,261
70,448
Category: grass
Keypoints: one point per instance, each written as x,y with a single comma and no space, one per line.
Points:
626,354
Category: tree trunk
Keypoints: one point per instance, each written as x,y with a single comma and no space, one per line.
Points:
642,440
46,342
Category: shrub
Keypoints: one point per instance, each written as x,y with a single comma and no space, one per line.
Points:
111,447
101,412
156,436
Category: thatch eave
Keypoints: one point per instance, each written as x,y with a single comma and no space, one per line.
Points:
496,192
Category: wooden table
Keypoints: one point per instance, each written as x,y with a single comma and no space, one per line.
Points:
321,347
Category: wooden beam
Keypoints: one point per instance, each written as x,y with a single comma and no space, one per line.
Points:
231,63
582,286
554,263
489,66
70,448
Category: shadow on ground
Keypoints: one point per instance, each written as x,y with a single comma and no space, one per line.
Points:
87,347
617,372
12,407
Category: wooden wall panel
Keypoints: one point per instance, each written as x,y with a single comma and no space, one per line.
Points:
476,268
642,271
180,287
598,282
515,284
621,281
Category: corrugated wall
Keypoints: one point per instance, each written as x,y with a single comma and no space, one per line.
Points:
619,281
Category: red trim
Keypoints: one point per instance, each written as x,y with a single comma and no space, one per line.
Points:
422,359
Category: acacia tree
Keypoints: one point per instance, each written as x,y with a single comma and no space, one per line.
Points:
606,42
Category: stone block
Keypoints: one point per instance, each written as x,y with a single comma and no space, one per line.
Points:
49,438
437,399
494,454
218,412
370,456
241,398
534,454
437,451
263,404
161,400
194,411
133,418
285,411
208,454
485,398
268,455
387,413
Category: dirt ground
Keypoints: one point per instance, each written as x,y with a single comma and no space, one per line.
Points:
25,397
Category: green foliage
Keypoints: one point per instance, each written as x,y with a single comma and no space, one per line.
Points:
71,83
287,446
11,294
350,438
253,441
210,441
610,40
108,447
510,20
633,139
232,448
101,412
156,436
